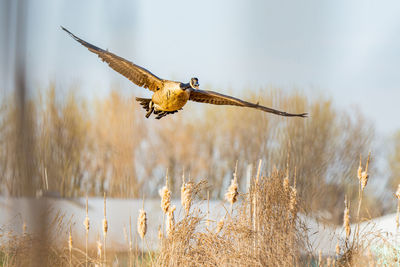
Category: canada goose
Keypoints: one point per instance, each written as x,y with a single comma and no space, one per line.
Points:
169,96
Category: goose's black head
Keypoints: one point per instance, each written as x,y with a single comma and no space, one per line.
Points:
194,83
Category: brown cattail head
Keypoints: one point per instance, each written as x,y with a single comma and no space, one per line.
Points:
105,222
142,223
186,194
170,223
364,174
359,170
165,196
346,219
364,179
105,226
86,223
232,193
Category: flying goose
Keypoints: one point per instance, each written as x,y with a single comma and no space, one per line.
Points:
169,96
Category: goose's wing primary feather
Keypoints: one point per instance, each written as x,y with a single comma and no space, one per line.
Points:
215,98
138,75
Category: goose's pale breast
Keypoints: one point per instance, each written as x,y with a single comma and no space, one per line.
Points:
171,97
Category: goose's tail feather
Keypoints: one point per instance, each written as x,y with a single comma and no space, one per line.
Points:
144,102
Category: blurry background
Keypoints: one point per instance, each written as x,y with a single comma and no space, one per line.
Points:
339,61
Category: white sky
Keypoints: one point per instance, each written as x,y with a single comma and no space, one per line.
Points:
347,50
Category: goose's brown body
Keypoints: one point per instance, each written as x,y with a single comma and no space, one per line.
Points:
169,96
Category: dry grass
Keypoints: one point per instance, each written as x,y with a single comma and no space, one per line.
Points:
76,153
262,229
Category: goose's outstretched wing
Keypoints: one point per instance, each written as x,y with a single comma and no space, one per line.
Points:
215,98
138,75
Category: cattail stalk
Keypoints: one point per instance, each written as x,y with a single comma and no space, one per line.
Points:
70,246
363,180
208,209
346,219
165,195
130,241
86,223
105,228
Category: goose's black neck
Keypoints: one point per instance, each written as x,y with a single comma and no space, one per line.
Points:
185,86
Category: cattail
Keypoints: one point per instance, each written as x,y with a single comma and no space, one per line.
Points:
186,194
142,223
293,199
364,174
70,241
398,192
105,222
160,234
364,179
359,171
232,193
208,209
337,249
165,196
105,228
286,184
170,223
346,219
86,223
220,225
70,246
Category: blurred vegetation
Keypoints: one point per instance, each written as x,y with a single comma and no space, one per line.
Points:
87,147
